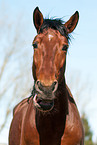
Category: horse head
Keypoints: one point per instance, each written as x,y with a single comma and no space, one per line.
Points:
49,60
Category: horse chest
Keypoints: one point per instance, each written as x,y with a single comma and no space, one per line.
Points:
50,129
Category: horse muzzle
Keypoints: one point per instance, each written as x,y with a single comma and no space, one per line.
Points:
44,96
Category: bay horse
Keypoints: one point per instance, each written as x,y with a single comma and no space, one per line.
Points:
49,116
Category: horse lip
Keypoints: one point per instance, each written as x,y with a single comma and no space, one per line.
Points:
43,104
35,101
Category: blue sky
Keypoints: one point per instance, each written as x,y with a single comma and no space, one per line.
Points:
82,51
82,54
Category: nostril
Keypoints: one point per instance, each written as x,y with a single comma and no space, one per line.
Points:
54,86
37,82
55,82
39,85
46,89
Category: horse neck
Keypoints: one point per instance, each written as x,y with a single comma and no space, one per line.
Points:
50,125
62,96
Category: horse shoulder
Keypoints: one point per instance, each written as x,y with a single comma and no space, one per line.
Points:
17,121
29,132
19,106
23,127
73,133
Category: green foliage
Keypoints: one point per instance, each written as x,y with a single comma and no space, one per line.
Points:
88,132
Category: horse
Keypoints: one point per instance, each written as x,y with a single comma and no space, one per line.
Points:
50,115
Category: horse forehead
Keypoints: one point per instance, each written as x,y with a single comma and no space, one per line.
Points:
51,40
51,35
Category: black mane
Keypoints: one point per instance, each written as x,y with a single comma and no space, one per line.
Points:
56,24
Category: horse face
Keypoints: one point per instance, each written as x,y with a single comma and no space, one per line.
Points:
50,48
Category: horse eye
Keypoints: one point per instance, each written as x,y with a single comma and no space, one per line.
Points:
65,47
35,45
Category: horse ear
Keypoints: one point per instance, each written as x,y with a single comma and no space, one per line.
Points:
37,18
72,22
